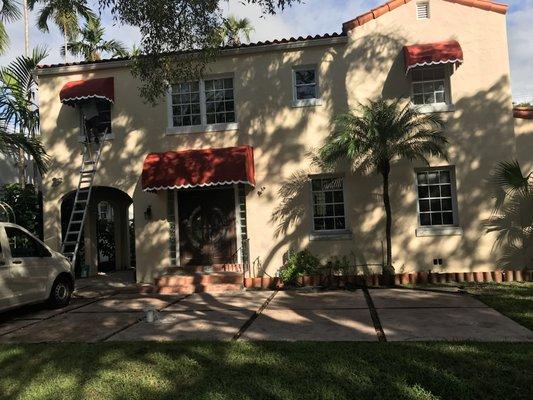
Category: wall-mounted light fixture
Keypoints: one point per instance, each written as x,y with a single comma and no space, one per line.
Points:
261,191
148,213
57,182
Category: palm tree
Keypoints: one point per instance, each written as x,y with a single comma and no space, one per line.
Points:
512,217
90,43
65,14
9,12
19,113
379,134
232,29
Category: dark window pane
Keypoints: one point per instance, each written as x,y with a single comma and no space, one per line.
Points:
435,205
330,223
219,106
230,106
445,177
338,197
340,223
228,83
329,197
339,209
424,205
211,118
447,205
319,224
221,118
210,107
422,178
196,120
436,219
186,120
329,210
434,191
446,191
425,219
423,192
230,117
305,92
447,218
433,178
305,77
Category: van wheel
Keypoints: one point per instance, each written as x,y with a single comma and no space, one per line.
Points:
61,293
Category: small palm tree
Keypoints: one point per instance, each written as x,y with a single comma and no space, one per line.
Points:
379,134
19,112
9,12
512,218
232,29
65,14
90,43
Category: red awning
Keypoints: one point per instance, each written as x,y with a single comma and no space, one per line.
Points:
420,55
77,91
198,168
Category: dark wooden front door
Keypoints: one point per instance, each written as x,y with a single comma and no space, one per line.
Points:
207,233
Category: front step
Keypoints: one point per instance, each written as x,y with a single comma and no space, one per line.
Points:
199,283
207,269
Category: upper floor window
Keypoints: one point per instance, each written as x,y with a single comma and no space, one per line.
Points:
328,204
305,84
200,103
430,86
437,203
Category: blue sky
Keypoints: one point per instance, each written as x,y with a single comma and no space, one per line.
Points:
312,17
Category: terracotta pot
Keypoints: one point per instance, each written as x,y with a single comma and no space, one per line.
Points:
487,276
450,277
459,277
257,282
405,279
498,276
469,277
306,280
518,277
398,279
525,112
478,276
266,282
375,280
508,277
248,283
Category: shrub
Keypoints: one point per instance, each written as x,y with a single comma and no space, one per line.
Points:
25,204
298,264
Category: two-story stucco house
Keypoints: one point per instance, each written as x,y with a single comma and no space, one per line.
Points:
204,169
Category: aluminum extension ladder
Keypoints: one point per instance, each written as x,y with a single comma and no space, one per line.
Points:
90,161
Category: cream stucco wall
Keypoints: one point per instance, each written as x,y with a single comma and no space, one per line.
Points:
368,65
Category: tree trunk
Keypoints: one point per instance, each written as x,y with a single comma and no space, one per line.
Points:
26,29
65,41
388,269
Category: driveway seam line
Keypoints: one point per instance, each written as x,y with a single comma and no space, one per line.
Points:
254,316
375,317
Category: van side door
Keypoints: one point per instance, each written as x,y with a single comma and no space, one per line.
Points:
30,264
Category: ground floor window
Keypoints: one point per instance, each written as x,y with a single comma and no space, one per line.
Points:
328,203
437,203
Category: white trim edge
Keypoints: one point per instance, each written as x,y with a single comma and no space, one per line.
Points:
150,189
426,64
439,231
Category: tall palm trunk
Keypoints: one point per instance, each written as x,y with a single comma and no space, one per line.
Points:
388,269
26,28
65,42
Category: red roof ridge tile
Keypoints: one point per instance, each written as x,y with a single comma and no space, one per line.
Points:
377,12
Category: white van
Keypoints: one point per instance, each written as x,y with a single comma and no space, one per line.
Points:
31,272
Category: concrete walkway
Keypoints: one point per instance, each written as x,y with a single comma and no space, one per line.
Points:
377,314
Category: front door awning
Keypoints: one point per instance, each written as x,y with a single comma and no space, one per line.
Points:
421,55
75,92
198,168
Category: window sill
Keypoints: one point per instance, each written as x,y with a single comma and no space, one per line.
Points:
306,103
232,126
434,108
331,235
439,231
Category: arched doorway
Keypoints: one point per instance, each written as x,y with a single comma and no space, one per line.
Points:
107,243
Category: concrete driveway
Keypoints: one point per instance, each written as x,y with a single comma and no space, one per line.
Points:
378,314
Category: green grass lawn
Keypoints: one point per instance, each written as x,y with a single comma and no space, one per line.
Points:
242,370
512,299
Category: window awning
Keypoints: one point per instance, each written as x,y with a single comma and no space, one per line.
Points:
420,55
198,168
78,91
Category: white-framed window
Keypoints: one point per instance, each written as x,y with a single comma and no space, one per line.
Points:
305,86
430,86
422,10
329,212
437,197
203,105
